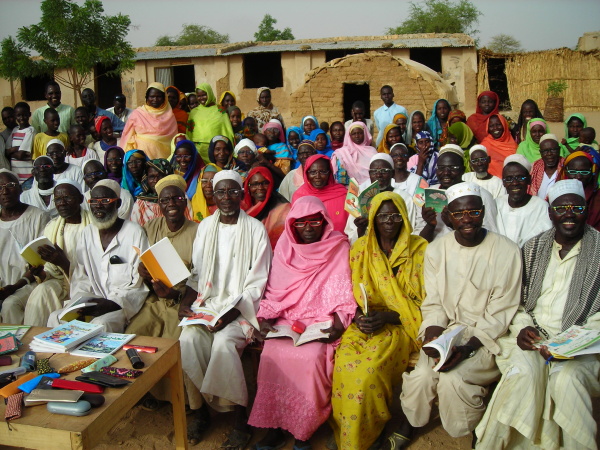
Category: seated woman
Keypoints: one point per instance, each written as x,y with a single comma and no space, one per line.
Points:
227,100
310,283
113,163
308,124
375,349
277,145
499,143
352,160
488,104
207,121
77,152
424,163
187,162
245,153
106,138
265,110
530,147
392,134
293,136
322,142
574,124
401,120
220,152
262,202
134,169
295,178
438,122
529,110
403,177
152,126
319,182
203,202
416,123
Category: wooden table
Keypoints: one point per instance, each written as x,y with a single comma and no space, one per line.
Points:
37,428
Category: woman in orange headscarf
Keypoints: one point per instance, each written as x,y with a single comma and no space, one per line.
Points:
488,104
175,96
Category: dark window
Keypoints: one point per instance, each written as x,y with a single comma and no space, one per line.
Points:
354,92
263,69
33,87
498,83
334,54
184,78
430,57
107,86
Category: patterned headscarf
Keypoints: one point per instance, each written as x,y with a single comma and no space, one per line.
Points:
164,168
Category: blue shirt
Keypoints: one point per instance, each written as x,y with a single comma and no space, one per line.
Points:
117,123
384,116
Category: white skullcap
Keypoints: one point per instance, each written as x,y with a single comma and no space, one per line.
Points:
519,159
398,144
548,136
244,143
382,157
228,175
55,141
39,157
9,172
564,187
110,184
478,147
452,148
89,161
462,190
68,181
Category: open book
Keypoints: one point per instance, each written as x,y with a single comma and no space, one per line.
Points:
164,263
311,333
102,345
207,316
444,344
30,251
70,313
358,204
431,198
574,341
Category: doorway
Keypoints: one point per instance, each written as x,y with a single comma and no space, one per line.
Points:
184,78
106,86
354,92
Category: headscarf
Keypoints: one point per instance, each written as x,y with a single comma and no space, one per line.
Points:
395,283
163,167
211,151
398,116
572,142
191,174
223,96
296,289
180,115
199,206
437,130
112,176
245,143
463,134
477,122
256,210
528,147
173,144
430,166
210,95
457,113
274,123
383,146
128,182
355,157
300,133
98,123
313,137
499,149
170,180
408,134
520,131
302,125
592,197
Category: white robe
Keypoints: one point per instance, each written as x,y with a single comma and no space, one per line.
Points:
124,211
521,224
494,185
32,197
74,173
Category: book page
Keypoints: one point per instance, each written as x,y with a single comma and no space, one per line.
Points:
30,251
573,342
164,263
352,204
283,331
444,344
313,332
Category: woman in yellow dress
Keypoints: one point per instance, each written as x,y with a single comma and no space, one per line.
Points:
374,351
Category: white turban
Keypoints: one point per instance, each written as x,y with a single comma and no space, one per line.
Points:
228,175
478,147
462,190
452,148
244,143
548,136
110,184
68,181
382,157
519,159
564,187
55,141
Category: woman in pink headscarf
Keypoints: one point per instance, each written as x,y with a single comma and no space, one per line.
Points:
310,283
352,159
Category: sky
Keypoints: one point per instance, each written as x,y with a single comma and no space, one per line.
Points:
538,24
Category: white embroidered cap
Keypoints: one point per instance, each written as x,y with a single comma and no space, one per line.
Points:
478,147
382,157
68,181
110,184
564,187
462,190
244,143
228,175
452,148
519,159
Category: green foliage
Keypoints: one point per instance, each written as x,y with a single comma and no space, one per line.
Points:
557,88
193,35
504,43
267,32
439,16
70,37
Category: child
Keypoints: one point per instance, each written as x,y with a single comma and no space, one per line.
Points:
587,136
104,136
82,117
52,121
22,138
77,152
337,131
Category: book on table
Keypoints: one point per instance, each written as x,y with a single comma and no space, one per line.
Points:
311,333
574,341
164,263
65,337
102,345
18,330
444,344
30,252
358,203
207,316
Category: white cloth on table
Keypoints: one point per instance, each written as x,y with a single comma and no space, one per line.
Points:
521,224
494,185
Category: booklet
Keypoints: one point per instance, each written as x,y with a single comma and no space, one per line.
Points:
311,333
18,330
572,342
358,203
71,313
444,344
30,251
431,198
164,263
102,345
66,336
207,316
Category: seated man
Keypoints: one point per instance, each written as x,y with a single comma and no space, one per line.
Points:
94,171
480,164
62,169
521,216
231,258
472,278
41,194
19,224
543,402
64,232
107,263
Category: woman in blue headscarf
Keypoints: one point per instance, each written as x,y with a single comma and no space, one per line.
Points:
322,142
187,162
134,169
438,122
427,156
308,124
293,136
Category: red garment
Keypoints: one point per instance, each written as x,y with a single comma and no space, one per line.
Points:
537,175
335,144
498,149
478,121
254,210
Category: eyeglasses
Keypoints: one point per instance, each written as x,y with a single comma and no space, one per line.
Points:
233,193
400,155
479,160
548,150
64,198
245,152
102,201
183,157
384,218
380,171
562,210
9,185
264,184
175,198
473,213
450,168
135,162
313,223
91,175
314,173
204,181
518,179
44,166
114,160
579,172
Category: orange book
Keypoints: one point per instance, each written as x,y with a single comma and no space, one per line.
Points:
163,263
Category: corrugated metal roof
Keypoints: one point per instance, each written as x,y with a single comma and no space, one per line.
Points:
172,54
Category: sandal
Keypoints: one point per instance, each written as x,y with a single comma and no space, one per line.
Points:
398,441
149,403
197,427
237,439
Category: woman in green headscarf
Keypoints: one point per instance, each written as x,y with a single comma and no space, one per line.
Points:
207,121
574,124
460,134
530,147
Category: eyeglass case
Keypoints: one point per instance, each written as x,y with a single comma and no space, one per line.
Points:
80,408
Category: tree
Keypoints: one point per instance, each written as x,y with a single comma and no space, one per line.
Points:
504,43
439,16
266,31
194,35
72,38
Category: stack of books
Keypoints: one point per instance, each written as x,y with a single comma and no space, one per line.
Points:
65,337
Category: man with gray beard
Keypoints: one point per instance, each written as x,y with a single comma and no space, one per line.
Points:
107,263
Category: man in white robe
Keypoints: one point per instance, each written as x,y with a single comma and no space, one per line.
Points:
41,194
231,258
541,402
480,163
472,278
19,224
64,232
55,149
107,263
521,216
94,171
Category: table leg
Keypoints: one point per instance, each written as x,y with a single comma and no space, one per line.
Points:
178,401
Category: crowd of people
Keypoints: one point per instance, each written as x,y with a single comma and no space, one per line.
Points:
257,212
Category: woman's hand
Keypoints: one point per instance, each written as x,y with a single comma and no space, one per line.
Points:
361,225
335,330
376,320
